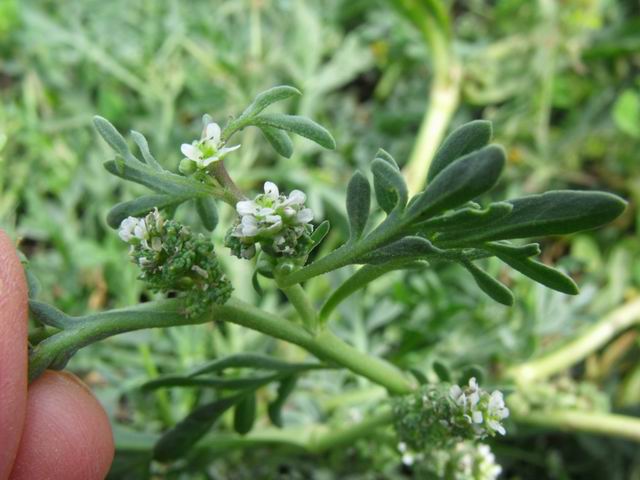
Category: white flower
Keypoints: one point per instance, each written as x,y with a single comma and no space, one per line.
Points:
273,219
133,228
479,409
208,149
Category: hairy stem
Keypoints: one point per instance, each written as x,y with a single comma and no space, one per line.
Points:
576,350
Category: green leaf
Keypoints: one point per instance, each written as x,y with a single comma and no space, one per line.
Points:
162,182
442,371
178,441
390,187
252,360
141,141
319,233
489,285
208,212
386,156
472,371
407,248
244,415
518,251
113,138
462,141
541,273
241,383
285,388
279,140
552,213
466,218
461,181
141,206
358,204
296,124
268,97
626,113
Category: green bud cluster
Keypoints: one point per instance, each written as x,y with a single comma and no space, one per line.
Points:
442,415
563,394
173,259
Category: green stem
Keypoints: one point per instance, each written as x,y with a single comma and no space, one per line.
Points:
78,333
301,302
576,350
588,422
232,193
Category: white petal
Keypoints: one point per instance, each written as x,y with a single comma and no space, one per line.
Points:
224,150
208,161
477,417
249,230
455,391
473,384
271,190
296,197
305,215
190,151
246,207
213,132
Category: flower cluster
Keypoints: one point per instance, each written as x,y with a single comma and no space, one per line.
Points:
438,416
173,259
279,223
465,461
202,153
479,408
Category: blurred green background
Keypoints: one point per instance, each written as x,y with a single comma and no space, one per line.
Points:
560,79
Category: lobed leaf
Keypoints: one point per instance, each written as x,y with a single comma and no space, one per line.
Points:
552,213
466,218
358,204
49,315
462,141
459,182
389,185
296,124
518,251
489,285
386,156
279,140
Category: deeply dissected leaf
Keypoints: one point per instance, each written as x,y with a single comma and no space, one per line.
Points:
141,206
462,141
208,212
489,285
358,204
552,213
390,187
459,182
279,140
296,124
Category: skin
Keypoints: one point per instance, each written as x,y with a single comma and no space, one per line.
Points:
54,428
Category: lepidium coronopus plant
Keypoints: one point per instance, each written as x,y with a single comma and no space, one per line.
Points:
440,426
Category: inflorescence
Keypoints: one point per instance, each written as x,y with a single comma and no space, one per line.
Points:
279,223
437,416
202,153
173,259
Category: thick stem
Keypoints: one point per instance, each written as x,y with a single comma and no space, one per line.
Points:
591,340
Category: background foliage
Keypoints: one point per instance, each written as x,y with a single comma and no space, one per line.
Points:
559,79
